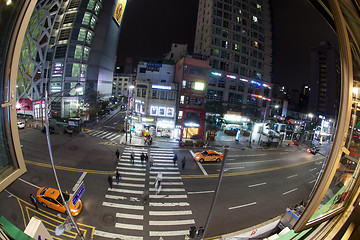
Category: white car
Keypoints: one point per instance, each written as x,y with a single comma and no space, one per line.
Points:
20,125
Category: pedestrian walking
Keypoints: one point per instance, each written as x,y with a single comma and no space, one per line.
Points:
117,153
117,176
142,158
183,162
110,181
175,159
146,158
132,156
33,200
145,196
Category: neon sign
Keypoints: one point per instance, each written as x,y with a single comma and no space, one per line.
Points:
161,87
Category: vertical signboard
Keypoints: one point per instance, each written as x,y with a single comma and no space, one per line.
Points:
119,10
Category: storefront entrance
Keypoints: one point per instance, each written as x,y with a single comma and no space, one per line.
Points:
190,133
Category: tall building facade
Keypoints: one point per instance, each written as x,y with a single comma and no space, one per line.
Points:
324,80
77,47
236,36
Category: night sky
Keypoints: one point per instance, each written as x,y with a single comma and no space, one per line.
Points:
150,27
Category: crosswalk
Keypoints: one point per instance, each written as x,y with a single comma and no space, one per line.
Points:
167,214
111,136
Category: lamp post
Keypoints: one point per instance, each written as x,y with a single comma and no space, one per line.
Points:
47,112
131,87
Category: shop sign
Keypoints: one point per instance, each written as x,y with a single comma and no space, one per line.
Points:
145,119
161,87
192,124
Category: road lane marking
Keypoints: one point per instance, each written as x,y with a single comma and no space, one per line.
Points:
29,183
129,226
171,223
241,206
199,164
256,185
125,191
293,190
250,155
168,233
312,181
201,192
312,169
227,169
169,213
123,206
167,178
116,235
79,181
129,184
115,197
169,204
168,183
167,196
168,189
295,175
130,216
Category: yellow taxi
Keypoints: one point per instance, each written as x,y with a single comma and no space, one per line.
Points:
208,155
50,197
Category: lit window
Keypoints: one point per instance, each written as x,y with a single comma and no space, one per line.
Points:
255,19
86,54
256,44
86,19
184,84
75,70
82,34
93,22
258,6
91,4
78,51
182,99
89,37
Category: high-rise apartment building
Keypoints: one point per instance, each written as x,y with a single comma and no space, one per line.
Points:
236,34
324,80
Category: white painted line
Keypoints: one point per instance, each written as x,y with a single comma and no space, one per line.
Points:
162,161
123,206
295,175
289,191
162,154
169,183
164,173
107,134
227,169
115,235
284,153
256,185
131,169
164,168
169,204
29,183
130,216
317,173
169,189
111,135
115,197
313,181
167,177
112,139
128,163
202,168
125,191
130,173
201,192
129,184
131,179
313,169
169,213
170,223
168,233
241,206
129,226
167,196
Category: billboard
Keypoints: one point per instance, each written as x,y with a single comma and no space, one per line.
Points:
119,10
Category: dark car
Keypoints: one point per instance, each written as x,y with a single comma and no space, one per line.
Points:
51,129
312,150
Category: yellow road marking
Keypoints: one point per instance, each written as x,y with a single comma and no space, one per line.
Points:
69,168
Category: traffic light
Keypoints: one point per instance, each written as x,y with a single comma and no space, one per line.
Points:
192,232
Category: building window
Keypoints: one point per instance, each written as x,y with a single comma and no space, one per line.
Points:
163,95
78,51
155,94
91,5
171,95
214,95
60,52
86,53
235,98
64,34
197,71
182,99
89,37
93,22
74,4
69,18
75,70
86,18
97,9
143,93
82,34
221,83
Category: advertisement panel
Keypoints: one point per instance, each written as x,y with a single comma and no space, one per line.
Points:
119,10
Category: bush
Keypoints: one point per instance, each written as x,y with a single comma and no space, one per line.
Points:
230,132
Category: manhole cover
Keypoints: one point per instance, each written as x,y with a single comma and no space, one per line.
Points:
73,148
36,180
108,219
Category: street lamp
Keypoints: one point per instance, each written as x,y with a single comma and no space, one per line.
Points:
47,112
131,87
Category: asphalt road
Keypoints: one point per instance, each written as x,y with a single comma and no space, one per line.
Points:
257,186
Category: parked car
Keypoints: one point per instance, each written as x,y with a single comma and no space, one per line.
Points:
51,129
20,125
50,198
208,155
312,150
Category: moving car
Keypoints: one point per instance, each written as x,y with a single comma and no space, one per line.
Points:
313,150
51,129
208,155
20,125
50,198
